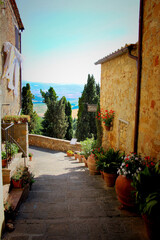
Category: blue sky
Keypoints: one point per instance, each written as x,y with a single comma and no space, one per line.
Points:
64,38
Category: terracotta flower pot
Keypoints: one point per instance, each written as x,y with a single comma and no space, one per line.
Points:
92,165
4,163
110,178
107,128
102,175
85,161
17,184
76,156
70,155
124,191
80,158
152,226
30,158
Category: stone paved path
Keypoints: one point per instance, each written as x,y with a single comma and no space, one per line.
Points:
66,203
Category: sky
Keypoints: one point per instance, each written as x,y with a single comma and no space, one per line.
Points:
63,39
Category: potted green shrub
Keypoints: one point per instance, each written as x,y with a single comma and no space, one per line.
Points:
87,146
147,188
110,165
8,211
17,179
30,155
4,159
99,155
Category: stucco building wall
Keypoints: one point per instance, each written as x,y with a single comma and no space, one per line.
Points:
118,92
149,128
11,104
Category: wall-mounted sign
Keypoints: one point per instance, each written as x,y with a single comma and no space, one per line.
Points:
92,107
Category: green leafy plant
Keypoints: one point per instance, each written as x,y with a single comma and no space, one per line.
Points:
30,155
108,161
147,188
12,147
22,173
8,211
3,154
87,146
113,160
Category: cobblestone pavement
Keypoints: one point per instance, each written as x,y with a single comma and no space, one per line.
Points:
66,203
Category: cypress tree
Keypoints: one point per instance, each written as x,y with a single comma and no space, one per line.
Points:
68,112
86,123
99,127
27,108
55,121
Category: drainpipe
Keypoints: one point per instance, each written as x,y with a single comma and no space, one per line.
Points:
137,110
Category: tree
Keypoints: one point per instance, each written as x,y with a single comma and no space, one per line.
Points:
55,121
68,112
86,123
27,108
49,96
99,127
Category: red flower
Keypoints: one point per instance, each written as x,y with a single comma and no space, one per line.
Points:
127,165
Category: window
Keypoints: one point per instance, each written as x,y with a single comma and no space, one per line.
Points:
16,38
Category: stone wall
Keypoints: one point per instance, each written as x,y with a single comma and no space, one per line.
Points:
10,104
149,128
118,92
52,143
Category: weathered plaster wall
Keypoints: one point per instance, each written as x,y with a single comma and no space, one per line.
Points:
1,185
52,143
149,129
118,92
10,103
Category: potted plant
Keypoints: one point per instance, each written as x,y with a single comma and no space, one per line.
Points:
27,177
80,156
110,165
76,153
30,155
124,189
107,118
147,188
70,153
4,159
87,146
17,179
99,155
8,211
12,149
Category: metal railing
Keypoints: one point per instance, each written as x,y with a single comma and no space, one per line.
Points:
8,137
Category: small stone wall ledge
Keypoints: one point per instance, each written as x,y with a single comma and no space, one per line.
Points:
53,143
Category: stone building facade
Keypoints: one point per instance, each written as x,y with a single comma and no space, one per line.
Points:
10,31
149,127
10,99
118,90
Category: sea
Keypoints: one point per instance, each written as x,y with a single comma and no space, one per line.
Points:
72,92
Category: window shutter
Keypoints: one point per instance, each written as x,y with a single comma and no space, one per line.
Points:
16,38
